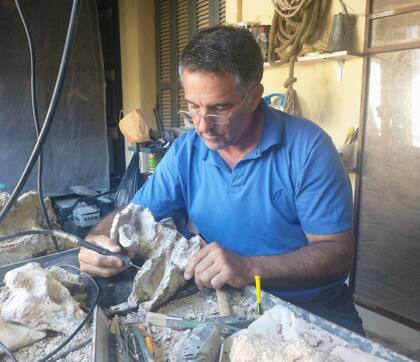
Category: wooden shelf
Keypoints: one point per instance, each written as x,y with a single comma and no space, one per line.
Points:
336,56
343,55
339,57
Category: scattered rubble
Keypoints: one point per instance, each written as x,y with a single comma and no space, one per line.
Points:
198,306
251,346
41,348
38,300
166,250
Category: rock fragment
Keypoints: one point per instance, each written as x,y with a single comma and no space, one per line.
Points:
37,300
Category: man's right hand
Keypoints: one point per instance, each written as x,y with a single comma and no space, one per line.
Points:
100,265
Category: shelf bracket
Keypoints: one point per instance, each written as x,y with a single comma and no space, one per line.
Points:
340,69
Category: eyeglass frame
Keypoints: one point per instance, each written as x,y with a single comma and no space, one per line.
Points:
229,117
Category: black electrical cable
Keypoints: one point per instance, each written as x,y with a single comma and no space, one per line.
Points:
79,327
76,347
36,120
38,232
50,113
7,351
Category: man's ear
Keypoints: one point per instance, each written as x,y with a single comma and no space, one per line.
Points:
256,97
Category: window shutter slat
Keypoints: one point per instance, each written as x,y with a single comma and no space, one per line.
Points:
202,14
181,26
222,12
165,97
164,40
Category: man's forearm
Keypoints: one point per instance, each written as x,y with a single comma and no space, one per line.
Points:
104,226
318,263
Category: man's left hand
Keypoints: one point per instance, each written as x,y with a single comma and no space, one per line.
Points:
214,266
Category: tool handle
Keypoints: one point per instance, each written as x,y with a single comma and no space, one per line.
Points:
223,303
99,249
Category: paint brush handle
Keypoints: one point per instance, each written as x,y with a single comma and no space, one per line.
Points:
223,303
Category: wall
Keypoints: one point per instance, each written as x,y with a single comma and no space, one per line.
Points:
138,58
333,104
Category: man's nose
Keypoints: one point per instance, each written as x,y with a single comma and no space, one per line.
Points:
202,123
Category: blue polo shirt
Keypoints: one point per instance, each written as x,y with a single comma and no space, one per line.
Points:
292,183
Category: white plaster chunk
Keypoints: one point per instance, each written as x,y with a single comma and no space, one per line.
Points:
26,214
283,335
251,346
37,300
166,251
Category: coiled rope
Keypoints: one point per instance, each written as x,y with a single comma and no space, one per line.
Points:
295,23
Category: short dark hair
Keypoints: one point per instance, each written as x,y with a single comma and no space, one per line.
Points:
225,49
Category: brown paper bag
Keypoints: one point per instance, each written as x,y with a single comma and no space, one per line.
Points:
134,127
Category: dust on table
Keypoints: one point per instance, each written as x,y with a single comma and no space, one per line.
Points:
199,307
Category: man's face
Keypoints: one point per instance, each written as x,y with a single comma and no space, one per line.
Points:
216,94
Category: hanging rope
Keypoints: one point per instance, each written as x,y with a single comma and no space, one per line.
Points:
291,100
295,23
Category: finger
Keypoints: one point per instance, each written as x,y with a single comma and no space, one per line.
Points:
218,281
189,270
96,239
204,264
198,282
202,241
206,276
99,271
201,269
91,257
105,242
112,246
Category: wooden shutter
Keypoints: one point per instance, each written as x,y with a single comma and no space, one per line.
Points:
222,12
181,26
177,21
182,37
203,12
164,60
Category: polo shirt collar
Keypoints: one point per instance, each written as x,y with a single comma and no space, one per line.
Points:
273,127
272,135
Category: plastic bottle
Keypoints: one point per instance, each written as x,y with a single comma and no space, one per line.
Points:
263,42
152,160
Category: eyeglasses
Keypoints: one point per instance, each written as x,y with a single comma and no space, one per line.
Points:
213,118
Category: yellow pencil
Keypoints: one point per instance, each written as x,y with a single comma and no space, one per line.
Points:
147,337
349,135
258,291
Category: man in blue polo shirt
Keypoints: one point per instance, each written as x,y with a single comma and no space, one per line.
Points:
267,191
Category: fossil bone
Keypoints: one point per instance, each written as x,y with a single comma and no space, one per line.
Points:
166,250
